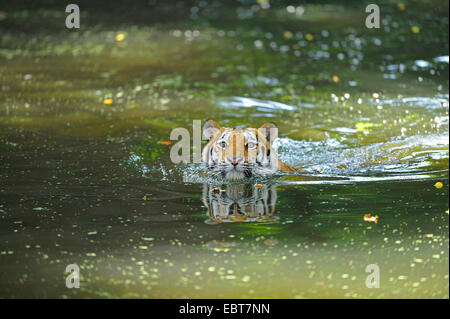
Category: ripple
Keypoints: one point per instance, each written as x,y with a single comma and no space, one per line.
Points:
237,102
441,59
439,102
422,64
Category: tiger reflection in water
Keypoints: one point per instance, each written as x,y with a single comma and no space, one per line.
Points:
239,203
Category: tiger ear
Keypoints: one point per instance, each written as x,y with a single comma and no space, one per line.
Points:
210,128
269,130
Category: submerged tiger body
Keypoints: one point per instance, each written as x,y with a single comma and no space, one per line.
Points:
238,153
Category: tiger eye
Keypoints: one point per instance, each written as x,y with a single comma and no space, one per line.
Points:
223,144
251,145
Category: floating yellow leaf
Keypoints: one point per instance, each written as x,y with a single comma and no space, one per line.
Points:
309,37
132,106
446,211
438,185
120,37
415,29
401,6
335,79
108,101
145,197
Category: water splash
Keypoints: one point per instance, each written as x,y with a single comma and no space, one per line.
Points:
237,102
401,156
413,146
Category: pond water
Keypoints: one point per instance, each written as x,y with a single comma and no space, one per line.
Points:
86,178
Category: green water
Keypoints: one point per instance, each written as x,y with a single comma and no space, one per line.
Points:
85,179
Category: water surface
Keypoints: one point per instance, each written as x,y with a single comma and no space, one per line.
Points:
85,179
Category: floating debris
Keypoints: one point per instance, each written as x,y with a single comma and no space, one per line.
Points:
120,37
371,219
438,185
271,241
219,245
166,143
258,185
287,34
363,126
108,101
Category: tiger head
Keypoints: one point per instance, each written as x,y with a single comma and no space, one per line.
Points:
239,152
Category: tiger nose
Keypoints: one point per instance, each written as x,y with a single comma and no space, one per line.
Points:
235,160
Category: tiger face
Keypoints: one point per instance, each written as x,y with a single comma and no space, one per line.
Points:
238,153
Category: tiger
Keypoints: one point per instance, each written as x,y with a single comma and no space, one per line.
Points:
237,202
237,153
